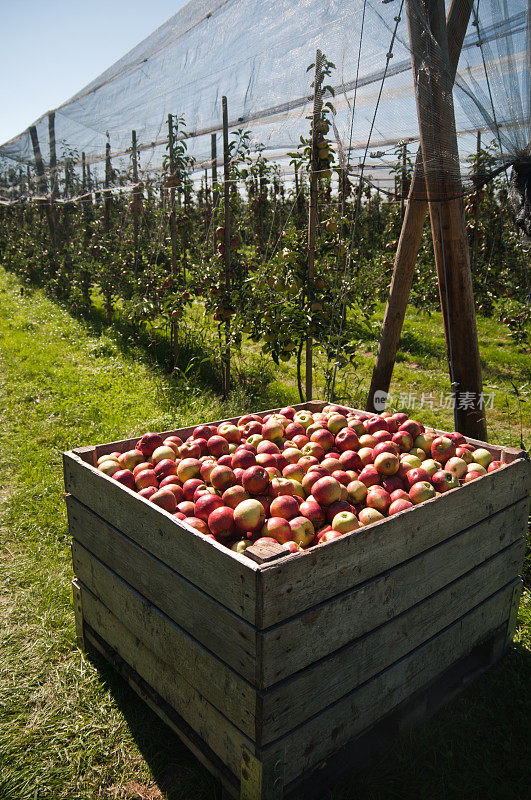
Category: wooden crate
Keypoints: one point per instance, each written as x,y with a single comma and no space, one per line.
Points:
270,670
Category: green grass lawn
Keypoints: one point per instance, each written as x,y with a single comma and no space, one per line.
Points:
69,727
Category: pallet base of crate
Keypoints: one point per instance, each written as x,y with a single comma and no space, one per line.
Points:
260,781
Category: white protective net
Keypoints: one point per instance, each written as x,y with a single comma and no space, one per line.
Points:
256,52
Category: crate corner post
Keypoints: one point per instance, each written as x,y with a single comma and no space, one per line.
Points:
81,640
262,779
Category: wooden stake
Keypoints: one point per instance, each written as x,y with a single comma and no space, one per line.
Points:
226,244
312,217
107,200
433,90
135,198
403,181
410,237
39,166
84,172
53,156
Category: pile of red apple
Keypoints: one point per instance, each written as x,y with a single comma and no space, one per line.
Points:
296,478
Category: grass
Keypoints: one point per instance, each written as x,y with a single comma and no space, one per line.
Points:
69,727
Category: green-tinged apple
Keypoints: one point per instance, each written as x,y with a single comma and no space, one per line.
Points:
234,495
302,531
457,466
475,467
345,521
165,451
431,466
241,546
188,468
357,492
109,468
249,515
131,458
482,456
369,515
387,463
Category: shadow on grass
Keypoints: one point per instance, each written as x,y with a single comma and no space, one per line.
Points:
175,770
474,748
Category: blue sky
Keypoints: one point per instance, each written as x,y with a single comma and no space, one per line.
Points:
49,49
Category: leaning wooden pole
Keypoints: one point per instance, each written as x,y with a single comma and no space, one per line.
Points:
312,216
39,165
433,90
410,238
135,199
226,245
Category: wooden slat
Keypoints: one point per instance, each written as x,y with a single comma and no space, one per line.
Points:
320,630
219,684
221,573
221,736
310,743
294,700
227,635
308,578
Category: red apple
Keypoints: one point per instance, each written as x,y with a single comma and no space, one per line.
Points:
206,504
391,483
187,507
176,489
165,499
398,494
412,427
494,465
378,498
347,440
403,440
457,466
190,486
199,524
292,547
326,490
385,447
222,477
285,507
313,511
255,480
268,447
203,432
416,475
369,475
126,478
148,492
442,449
329,536
337,508
146,478
190,449
443,480
278,528
349,459
243,459
234,495
280,486
221,522
374,424
141,467
149,442
421,491
399,505
217,446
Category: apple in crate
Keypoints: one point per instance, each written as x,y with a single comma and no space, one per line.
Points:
482,456
148,443
369,515
345,521
444,480
278,529
302,531
442,449
421,491
399,505
249,516
165,499
284,506
126,478
221,523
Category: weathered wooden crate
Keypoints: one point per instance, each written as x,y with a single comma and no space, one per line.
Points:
301,665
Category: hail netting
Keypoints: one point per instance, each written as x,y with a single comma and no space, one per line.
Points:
256,52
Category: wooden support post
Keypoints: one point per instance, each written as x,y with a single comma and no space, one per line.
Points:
135,198
106,194
403,181
226,244
312,217
433,89
39,166
410,238
477,178
53,156
83,172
